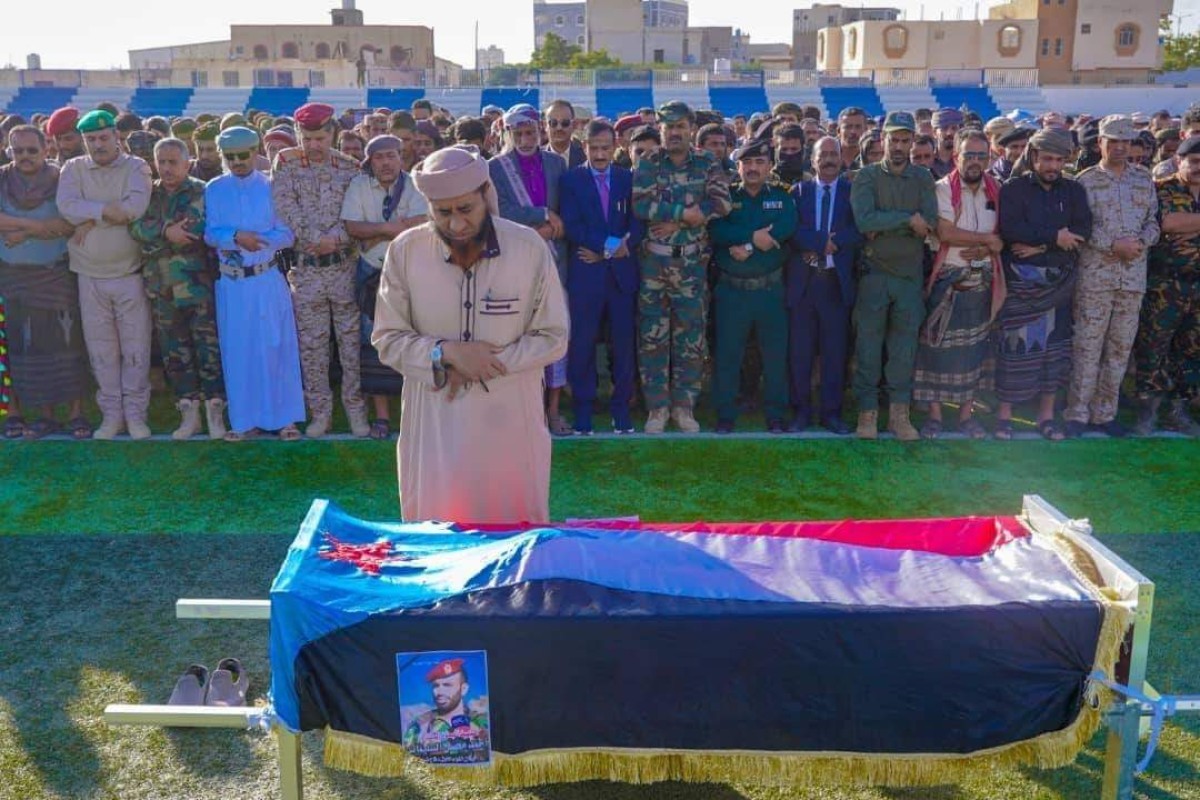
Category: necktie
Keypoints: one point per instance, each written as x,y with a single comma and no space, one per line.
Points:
602,187
825,197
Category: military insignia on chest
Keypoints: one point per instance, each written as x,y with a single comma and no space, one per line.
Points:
772,205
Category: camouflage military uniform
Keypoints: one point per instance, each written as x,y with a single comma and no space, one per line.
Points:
1108,296
308,197
179,283
671,301
1166,353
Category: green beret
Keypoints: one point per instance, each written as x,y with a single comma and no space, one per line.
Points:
233,119
206,117
184,127
264,124
1168,135
674,111
93,121
237,138
786,107
207,132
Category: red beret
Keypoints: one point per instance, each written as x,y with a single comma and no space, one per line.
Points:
62,121
444,669
627,123
312,116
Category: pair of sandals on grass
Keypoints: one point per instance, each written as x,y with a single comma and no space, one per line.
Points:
380,429
973,429
17,428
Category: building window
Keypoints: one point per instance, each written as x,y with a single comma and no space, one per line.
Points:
821,47
579,19
579,40
199,78
659,57
1045,47
832,19
1085,28
1058,47
322,50
559,21
264,77
1010,40
852,44
260,52
895,41
283,78
1127,39
289,50
229,79
316,78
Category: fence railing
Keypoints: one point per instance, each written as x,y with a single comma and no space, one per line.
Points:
1010,78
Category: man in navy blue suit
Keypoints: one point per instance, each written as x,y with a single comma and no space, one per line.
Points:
820,287
603,275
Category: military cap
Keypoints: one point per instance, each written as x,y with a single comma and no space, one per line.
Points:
999,127
1139,119
206,117
706,117
1190,146
184,127
109,107
1147,140
233,119
62,121
239,137
1167,135
1019,133
947,116
206,132
786,107
158,123
755,148
627,123
651,132
444,669
314,116
1119,127
1088,132
141,143
899,121
95,121
674,111
280,133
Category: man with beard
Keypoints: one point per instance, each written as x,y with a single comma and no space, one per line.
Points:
526,179
895,207
964,291
179,280
676,192
1168,165
473,439
61,128
923,150
1112,279
207,163
351,145
450,715
560,124
852,124
257,328
1167,348
1044,221
946,124
749,291
820,288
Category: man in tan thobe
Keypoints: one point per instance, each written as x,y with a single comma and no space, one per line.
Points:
470,311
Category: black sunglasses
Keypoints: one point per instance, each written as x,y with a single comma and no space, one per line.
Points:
239,156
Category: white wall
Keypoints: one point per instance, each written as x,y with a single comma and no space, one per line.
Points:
1095,50
1118,99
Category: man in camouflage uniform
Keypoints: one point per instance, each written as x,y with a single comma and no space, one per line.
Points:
207,163
1166,352
1112,279
676,193
308,188
179,282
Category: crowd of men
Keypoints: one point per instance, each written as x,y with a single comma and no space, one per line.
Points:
918,258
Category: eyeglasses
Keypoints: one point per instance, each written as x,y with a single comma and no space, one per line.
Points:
975,155
239,156
559,123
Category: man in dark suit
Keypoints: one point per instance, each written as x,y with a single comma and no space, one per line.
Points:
820,287
602,276
560,121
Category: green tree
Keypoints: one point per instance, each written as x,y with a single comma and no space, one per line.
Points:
554,53
1180,51
597,59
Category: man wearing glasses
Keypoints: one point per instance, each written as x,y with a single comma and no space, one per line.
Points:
560,123
255,323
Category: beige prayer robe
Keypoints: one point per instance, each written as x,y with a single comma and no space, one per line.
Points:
484,456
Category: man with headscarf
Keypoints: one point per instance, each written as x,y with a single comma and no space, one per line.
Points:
260,358
309,186
47,356
100,194
1011,145
1112,279
1044,221
277,139
473,440
946,124
526,179
380,204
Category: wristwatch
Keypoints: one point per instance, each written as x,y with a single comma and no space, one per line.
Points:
439,366
749,247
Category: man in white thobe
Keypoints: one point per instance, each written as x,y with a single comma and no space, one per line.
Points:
470,311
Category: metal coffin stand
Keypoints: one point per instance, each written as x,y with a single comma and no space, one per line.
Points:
1127,719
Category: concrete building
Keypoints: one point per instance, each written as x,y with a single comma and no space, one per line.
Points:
776,56
927,46
807,21
489,58
634,31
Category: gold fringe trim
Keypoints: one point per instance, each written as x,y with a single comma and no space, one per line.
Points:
1051,750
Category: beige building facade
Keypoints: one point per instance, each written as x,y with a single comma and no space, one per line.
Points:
958,45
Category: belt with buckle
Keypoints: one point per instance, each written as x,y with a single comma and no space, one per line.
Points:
674,250
753,284
238,273
333,259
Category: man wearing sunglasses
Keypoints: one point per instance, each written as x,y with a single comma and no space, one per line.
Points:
560,124
309,187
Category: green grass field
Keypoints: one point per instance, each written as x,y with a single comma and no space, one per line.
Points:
104,537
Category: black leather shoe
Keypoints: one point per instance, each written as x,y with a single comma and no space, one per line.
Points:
724,426
836,425
799,424
775,426
1075,429
1113,429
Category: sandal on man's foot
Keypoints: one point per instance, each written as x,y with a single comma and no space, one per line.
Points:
1004,430
14,428
972,428
234,436
380,429
80,429
290,434
1049,429
41,428
560,427
932,429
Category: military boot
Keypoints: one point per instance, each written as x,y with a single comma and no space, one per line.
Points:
657,421
1179,420
214,411
138,429
899,424
684,420
359,426
110,428
868,425
1147,415
189,426
318,427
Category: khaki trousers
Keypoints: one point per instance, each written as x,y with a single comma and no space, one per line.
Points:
116,330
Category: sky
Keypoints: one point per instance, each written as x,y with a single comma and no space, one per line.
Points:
85,34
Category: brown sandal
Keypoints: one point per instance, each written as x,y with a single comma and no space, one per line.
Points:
559,426
290,434
234,436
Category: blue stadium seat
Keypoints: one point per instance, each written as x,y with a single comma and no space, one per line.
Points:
508,96
395,99
31,100
278,101
163,102
976,98
613,101
838,97
731,100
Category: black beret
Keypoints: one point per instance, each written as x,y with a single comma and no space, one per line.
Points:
1190,145
755,148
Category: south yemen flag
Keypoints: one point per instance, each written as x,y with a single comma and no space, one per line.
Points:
884,651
